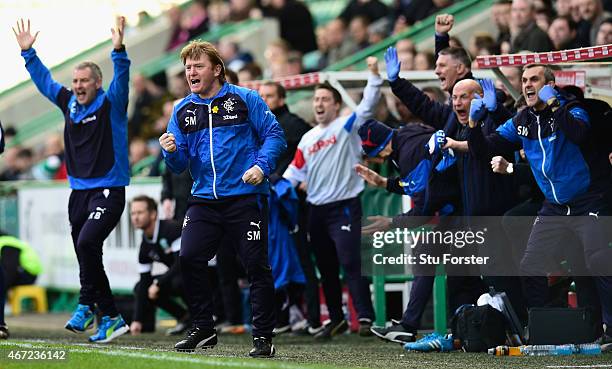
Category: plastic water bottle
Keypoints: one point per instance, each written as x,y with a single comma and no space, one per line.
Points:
543,350
588,349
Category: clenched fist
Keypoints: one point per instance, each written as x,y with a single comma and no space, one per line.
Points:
168,142
253,176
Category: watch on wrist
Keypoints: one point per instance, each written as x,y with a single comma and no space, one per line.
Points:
510,168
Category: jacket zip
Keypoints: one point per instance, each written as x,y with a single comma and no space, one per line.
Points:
212,159
552,186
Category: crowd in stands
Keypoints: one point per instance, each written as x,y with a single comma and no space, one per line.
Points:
304,46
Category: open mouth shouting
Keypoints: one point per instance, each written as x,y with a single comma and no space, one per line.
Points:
531,96
195,83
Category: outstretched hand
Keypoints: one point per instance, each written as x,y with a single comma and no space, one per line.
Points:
24,36
393,64
372,63
117,32
371,176
489,94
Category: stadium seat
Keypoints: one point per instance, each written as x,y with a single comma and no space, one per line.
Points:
17,294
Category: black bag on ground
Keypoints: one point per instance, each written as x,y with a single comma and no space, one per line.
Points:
559,326
479,327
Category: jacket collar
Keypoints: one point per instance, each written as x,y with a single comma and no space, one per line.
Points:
198,100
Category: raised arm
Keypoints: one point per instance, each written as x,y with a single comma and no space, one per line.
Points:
40,74
444,23
119,87
432,113
371,95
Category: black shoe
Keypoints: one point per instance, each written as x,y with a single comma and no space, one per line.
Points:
332,329
262,347
197,337
4,332
282,329
395,333
365,325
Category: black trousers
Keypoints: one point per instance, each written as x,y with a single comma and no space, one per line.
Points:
93,214
335,235
244,220
144,311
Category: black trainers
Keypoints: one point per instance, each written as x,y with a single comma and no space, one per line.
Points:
332,329
4,332
197,338
365,325
262,347
396,333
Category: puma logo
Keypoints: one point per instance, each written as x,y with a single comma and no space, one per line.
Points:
192,111
256,224
346,228
596,215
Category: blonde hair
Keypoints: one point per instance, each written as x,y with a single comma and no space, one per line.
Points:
197,48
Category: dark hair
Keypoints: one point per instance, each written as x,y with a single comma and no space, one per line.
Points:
458,54
439,95
549,76
326,86
25,153
573,26
252,68
280,90
10,131
231,76
151,204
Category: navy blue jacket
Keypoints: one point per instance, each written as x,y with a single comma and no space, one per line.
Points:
95,135
482,191
220,138
1,139
558,147
429,190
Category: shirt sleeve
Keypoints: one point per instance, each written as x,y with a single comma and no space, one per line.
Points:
41,76
297,171
367,107
177,161
118,89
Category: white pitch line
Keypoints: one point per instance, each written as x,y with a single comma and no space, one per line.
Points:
161,356
581,366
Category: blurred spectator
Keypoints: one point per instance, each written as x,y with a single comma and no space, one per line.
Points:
294,64
178,86
604,34
23,164
591,16
454,41
435,94
9,134
373,10
358,29
145,95
562,33
250,72
276,55
501,15
11,169
231,76
233,57
340,46
424,60
413,11
377,32
543,17
317,60
513,74
187,24
240,10
52,165
296,24
406,53
139,155
526,35
482,43
218,13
